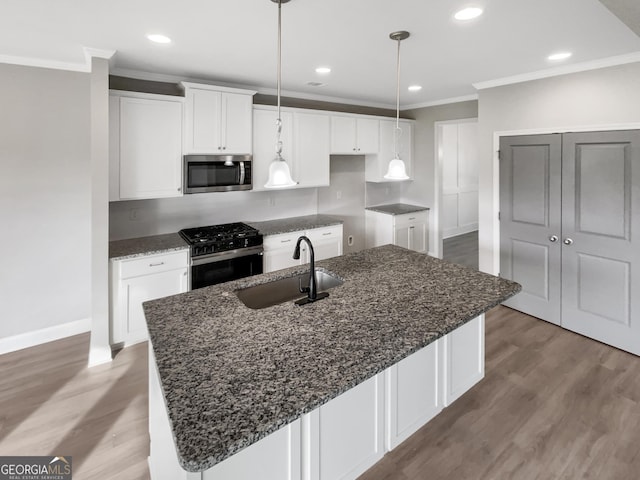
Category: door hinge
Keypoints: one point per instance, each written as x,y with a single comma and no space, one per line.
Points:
498,215
499,155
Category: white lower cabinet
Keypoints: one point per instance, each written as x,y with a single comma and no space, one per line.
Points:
343,438
278,249
412,393
463,359
137,280
408,230
276,457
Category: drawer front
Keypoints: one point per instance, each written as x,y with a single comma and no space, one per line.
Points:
325,233
154,264
285,240
411,218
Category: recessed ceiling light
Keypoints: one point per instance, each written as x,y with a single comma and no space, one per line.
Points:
468,13
559,56
323,70
157,38
415,88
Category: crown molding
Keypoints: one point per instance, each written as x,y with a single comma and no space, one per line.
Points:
85,67
564,70
44,63
444,101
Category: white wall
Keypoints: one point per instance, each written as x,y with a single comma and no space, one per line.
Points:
45,199
140,218
345,198
597,99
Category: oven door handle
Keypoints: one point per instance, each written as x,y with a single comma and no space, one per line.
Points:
228,255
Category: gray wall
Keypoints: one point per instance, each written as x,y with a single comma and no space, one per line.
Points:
347,182
139,218
597,99
421,190
45,198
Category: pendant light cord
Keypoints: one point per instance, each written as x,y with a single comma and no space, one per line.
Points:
279,120
396,140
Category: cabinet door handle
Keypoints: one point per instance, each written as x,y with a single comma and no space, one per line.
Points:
411,227
412,218
156,264
553,238
567,241
325,234
285,241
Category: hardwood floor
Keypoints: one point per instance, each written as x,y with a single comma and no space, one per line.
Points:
462,249
553,405
52,404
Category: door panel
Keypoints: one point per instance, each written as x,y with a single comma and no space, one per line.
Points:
602,189
530,180
530,267
530,169
600,201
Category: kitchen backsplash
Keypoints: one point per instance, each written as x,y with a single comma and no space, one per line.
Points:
140,218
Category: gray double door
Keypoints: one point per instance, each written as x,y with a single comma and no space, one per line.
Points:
570,231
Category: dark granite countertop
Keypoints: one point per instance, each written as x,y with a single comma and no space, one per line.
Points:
397,208
139,247
232,375
293,224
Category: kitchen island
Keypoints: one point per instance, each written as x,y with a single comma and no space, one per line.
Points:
224,377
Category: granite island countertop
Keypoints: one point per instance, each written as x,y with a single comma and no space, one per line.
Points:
294,224
396,208
231,375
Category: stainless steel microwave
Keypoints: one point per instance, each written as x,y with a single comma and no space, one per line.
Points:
217,173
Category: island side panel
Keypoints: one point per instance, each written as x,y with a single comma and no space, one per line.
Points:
463,359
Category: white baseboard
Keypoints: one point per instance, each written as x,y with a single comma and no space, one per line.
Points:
37,337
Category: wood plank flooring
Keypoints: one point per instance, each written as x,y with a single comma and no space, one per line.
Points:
462,249
52,404
553,405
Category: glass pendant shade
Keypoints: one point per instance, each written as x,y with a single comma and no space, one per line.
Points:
396,170
279,174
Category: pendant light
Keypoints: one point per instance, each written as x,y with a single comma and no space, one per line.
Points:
397,169
279,173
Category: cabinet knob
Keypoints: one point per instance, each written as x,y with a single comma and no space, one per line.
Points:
553,238
224,148
179,189
355,149
567,241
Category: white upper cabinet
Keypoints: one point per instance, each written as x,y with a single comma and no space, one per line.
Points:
352,135
311,147
145,153
305,146
376,167
218,120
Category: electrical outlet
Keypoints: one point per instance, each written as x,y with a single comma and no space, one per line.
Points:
350,240
133,214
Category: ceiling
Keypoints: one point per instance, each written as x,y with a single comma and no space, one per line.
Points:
234,42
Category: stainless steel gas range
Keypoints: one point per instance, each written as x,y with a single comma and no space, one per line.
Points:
221,253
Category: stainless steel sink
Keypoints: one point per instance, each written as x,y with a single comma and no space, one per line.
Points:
284,290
